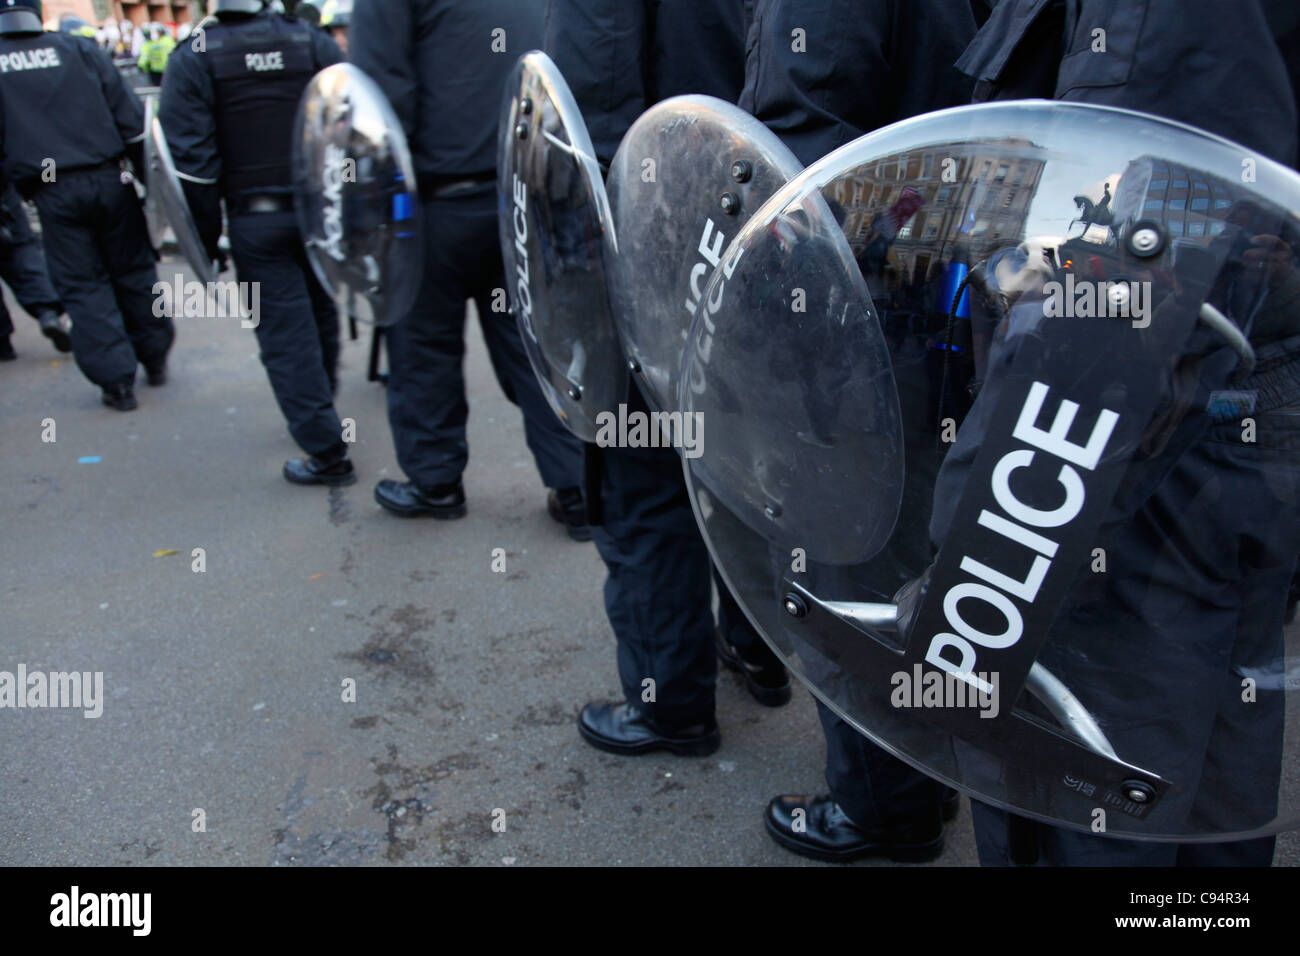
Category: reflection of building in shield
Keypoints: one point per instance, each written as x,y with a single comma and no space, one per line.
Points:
1188,203
981,193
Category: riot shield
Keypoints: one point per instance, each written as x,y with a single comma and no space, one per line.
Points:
688,174
154,218
168,199
356,197
1090,322
554,221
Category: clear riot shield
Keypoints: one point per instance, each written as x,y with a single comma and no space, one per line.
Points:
1075,334
355,195
554,222
155,219
688,174
167,199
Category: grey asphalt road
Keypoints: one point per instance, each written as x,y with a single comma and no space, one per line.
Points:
224,688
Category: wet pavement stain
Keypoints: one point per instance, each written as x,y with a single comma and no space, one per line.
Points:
395,647
48,485
340,510
574,790
404,796
554,715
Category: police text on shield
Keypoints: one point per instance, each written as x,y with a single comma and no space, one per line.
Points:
996,589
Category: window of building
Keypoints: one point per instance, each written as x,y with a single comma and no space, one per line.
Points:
1177,204
1175,227
1154,205
1196,229
1180,184
1158,184
1201,203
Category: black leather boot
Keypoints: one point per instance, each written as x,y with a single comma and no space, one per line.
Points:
313,471
622,728
405,499
56,328
766,678
566,506
818,828
120,396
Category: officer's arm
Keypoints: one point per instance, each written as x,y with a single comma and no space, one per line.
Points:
696,46
325,50
125,106
816,74
599,46
186,109
381,42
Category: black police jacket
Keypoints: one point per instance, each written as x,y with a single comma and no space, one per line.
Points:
443,65
63,106
620,57
821,73
227,107
1221,66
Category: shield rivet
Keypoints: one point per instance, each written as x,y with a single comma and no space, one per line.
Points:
1118,296
742,170
575,393
521,131
1139,791
730,203
795,605
1147,240
633,366
525,107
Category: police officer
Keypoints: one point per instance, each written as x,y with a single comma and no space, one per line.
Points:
658,593
154,53
308,11
810,95
1237,77
336,17
68,123
227,106
435,61
76,26
22,266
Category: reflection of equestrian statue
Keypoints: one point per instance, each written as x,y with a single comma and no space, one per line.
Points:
1095,214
